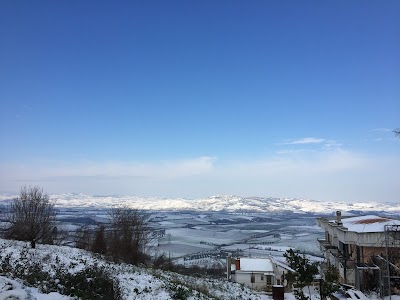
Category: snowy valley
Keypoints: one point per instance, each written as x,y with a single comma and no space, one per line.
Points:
190,233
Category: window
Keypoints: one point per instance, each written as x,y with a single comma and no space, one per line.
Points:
262,277
269,280
253,279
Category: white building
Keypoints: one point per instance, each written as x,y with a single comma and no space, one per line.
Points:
257,273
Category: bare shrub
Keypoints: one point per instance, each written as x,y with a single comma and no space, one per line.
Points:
31,217
83,238
99,243
128,236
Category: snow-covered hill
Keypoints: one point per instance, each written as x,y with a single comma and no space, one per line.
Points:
222,203
52,264
217,203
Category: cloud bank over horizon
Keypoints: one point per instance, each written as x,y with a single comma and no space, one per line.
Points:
318,173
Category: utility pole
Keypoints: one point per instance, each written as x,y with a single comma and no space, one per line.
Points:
387,244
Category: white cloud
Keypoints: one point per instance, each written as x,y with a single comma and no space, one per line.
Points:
307,140
330,144
291,151
319,143
383,129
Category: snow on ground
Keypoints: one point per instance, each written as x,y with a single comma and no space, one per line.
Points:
13,290
134,282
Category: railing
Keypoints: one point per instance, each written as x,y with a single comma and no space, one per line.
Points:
326,244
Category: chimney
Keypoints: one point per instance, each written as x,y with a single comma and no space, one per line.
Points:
339,217
237,263
228,267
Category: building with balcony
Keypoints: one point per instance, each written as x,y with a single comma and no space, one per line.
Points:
358,247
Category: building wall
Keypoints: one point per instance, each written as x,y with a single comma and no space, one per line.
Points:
368,252
371,239
350,275
332,259
367,244
261,281
335,233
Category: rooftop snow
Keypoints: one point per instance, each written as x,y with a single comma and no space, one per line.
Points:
368,223
256,264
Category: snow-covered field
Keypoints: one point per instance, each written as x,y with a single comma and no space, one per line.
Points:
252,234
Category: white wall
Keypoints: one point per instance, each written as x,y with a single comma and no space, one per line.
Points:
245,278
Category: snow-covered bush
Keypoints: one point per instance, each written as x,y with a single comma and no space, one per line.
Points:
94,281
80,274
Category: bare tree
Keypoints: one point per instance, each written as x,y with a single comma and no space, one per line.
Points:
397,132
128,236
60,236
83,238
31,216
99,243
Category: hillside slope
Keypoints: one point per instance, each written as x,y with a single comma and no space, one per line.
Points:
49,271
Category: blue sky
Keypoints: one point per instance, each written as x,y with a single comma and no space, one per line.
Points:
191,99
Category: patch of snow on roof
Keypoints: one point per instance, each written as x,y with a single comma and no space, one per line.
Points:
256,264
369,223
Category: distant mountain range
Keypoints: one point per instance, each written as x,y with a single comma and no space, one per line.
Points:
221,203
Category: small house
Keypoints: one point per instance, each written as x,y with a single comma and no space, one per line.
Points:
259,274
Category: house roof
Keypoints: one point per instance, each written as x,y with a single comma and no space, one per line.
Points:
282,265
256,264
370,223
